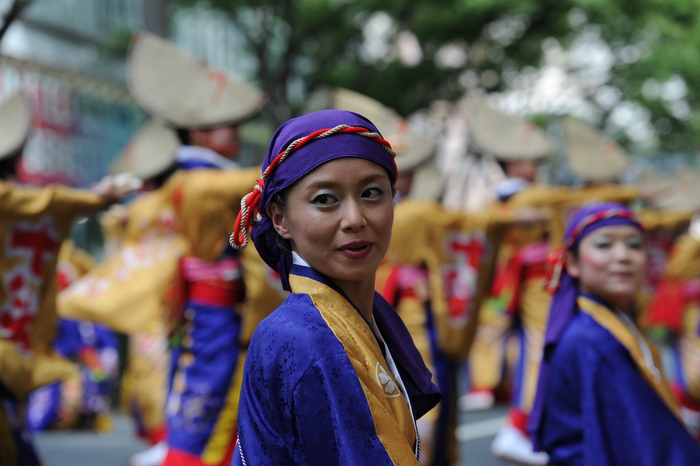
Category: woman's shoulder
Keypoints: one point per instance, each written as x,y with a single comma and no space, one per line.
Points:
296,326
585,335
292,316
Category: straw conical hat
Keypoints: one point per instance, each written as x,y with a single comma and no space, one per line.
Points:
149,152
15,124
182,90
593,156
412,149
507,138
428,183
384,118
680,190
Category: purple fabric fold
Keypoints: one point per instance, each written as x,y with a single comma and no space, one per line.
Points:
416,377
563,307
272,248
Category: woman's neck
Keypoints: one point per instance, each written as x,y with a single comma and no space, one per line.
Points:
622,306
360,293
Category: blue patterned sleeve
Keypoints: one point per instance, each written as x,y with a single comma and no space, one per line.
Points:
332,417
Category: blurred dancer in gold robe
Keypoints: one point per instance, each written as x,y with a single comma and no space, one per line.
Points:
34,222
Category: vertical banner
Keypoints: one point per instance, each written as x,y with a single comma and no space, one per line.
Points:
80,124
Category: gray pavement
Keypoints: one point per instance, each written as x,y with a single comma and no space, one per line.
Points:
75,448
475,433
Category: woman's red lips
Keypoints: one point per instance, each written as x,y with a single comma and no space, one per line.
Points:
356,249
354,245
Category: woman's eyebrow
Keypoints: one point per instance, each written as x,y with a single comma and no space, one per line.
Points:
323,184
372,177
327,184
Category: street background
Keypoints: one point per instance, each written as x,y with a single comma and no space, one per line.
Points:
475,433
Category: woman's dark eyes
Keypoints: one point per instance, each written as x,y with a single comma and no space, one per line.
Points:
372,192
634,244
323,199
328,199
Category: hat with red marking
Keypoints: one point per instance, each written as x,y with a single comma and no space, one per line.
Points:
184,91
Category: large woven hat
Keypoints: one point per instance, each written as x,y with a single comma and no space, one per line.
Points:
593,156
679,190
428,183
412,148
15,124
505,137
182,90
149,152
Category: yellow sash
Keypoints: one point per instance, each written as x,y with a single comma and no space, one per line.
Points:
391,414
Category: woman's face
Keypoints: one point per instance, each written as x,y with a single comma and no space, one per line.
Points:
526,169
224,140
611,264
338,218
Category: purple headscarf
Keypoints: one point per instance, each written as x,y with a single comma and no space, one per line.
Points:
300,162
563,308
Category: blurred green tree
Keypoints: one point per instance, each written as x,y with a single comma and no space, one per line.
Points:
639,81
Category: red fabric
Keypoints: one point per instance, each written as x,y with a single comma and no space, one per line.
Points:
206,293
182,458
507,280
535,271
390,291
554,270
667,308
154,436
518,419
684,398
177,196
481,390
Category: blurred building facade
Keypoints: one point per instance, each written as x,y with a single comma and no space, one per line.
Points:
68,56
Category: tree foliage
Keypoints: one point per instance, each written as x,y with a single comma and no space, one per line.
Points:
652,49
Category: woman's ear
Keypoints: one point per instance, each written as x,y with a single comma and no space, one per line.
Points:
572,265
278,221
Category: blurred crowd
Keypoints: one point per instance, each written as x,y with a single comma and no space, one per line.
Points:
161,323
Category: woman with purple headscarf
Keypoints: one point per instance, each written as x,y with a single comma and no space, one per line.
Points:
332,376
602,398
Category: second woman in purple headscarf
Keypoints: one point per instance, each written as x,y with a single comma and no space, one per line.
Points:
602,397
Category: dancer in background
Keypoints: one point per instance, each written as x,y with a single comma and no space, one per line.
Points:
674,312
34,222
201,295
82,402
602,397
